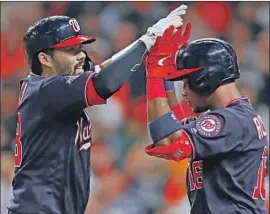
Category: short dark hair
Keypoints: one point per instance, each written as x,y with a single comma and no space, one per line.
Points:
36,65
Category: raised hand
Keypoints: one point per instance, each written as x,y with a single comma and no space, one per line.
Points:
161,59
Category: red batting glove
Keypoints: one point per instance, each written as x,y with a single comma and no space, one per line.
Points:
160,62
177,150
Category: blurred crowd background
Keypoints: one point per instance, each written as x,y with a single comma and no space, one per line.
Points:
124,179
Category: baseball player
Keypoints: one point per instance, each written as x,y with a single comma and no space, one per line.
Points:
53,139
226,144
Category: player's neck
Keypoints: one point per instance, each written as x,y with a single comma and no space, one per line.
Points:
47,72
224,95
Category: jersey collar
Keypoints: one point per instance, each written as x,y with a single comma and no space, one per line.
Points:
32,74
237,100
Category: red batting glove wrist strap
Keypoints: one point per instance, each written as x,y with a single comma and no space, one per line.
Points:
155,88
177,150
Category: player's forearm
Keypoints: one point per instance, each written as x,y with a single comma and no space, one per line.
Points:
170,142
111,78
172,99
157,106
175,106
171,95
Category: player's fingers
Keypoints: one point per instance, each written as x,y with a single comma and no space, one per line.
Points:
179,31
158,43
177,22
179,11
169,32
178,37
159,40
167,36
188,31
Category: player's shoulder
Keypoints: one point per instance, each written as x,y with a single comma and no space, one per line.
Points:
236,117
218,122
240,109
65,79
211,124
30,84
31,77
33,83
221,115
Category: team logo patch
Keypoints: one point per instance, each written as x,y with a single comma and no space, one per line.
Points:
209,125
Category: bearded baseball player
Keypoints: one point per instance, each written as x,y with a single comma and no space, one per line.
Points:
226,144
53,139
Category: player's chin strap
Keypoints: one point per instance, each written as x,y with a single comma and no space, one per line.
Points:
89,65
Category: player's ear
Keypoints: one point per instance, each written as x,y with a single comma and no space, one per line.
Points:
45,59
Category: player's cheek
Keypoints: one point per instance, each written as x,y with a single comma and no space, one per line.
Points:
197,100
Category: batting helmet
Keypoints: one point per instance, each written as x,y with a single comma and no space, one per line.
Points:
207,64
53,32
